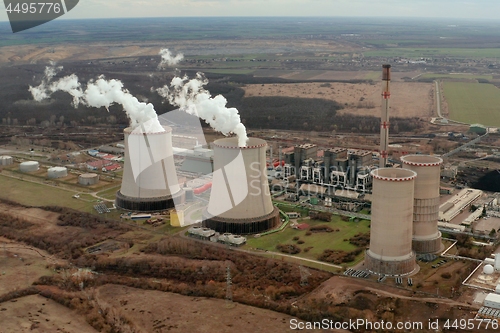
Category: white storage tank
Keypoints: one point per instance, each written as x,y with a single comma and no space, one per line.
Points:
6,160
57,172
29,166
488,269
88,179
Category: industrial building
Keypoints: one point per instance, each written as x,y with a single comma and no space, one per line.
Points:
233,240
201,233
426,236
492,300
390,251
57,172
456,204
199,160
6,160
88,179
449,172
149,180
338,167
240,201
30,166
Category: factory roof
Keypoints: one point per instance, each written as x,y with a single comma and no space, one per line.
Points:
307,145
312,188
454,205
336,149
451,226
111,167
98,164
360,152
111,149
492,297
473,216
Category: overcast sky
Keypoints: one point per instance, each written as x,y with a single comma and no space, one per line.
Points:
475,9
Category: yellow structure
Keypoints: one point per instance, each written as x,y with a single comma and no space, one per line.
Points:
177,218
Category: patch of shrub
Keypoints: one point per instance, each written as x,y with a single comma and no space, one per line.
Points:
321,228
288,248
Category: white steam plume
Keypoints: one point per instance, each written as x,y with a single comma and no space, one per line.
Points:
194,99
99,93
168,59
40,93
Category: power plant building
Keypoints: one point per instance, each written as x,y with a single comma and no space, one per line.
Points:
199,160
149,178
240,201
426,236
390,251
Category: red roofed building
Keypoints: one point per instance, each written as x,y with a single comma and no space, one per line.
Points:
302,226
95,165
111,167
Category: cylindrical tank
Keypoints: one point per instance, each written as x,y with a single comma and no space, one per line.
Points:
488,269
6,160
149,180
88,179
57,172
426,236
240,201
189,193
29,166
390,251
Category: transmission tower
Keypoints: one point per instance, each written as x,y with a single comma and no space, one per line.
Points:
304,275
229,284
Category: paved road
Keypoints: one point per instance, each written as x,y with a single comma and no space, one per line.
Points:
438,100
295,257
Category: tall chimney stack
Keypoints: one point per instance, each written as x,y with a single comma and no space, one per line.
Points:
384,118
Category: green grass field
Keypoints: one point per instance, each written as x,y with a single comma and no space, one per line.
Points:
318,241
473,102
34,194
110,193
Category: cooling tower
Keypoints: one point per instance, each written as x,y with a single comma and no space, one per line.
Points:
390,251
149,179
426,236
240,202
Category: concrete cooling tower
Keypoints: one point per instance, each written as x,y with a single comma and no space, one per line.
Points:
426,236
240,202
149,179
390,251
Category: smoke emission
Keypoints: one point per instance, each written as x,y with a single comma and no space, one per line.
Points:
190,96
99,93
167,58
